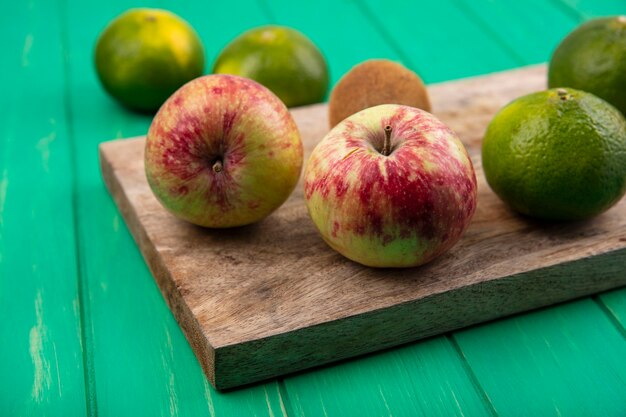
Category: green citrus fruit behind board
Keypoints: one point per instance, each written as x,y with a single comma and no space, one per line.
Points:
558,154
280,58
593,58
144,55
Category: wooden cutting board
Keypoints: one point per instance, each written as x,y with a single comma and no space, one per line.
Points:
272,298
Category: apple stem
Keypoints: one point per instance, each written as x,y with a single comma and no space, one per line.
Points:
218,166
387,144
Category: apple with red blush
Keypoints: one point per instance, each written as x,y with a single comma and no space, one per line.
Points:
223,151
390,186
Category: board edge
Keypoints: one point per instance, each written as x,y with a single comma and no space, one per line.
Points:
203,351
245,363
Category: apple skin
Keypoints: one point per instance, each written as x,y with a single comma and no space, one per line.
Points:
400,210
223,151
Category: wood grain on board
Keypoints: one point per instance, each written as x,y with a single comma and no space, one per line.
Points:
272,298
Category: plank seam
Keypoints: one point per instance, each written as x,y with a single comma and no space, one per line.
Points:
283,395
570,10
267,10
485,28
84,314
610,315
379,27
472,376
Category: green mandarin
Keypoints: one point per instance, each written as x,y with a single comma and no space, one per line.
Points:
558,154
280,58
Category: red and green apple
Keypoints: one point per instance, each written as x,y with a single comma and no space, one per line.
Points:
390,186
223,151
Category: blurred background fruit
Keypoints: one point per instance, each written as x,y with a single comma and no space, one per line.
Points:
593,58
280,58
558,154
144,55
374,82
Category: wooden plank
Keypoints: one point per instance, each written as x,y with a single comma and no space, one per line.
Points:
215,24
563,361
589,9
140,362
299,303
351,40
422,379
440,41
532,29
40,336
614,303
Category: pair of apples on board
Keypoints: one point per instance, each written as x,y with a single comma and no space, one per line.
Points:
389,186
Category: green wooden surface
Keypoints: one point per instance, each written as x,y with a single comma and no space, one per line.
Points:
422,379
41,360
521,26
567,361
439,40
86,329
